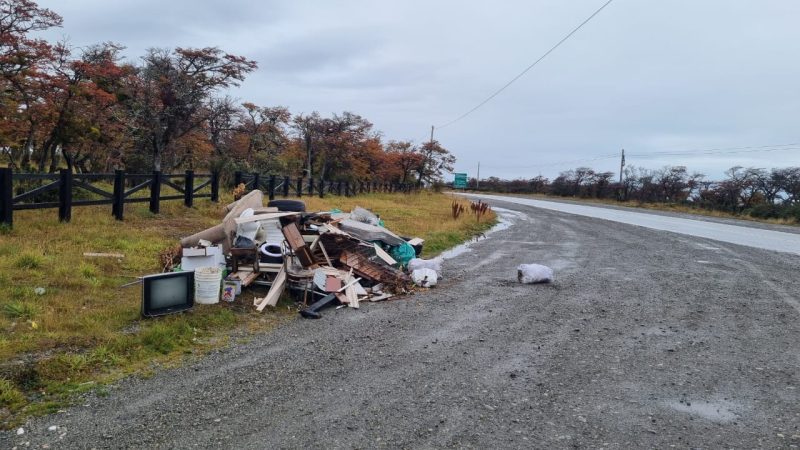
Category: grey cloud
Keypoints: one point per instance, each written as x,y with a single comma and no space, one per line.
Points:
647,76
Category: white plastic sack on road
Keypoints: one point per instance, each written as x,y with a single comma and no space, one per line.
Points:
534,273
434,264
424,277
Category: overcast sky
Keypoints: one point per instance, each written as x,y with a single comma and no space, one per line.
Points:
647,76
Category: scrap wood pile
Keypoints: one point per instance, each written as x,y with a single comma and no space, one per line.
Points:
323,258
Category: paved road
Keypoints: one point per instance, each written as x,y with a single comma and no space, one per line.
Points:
646,339
769,239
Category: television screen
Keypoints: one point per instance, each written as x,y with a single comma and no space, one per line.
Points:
167,293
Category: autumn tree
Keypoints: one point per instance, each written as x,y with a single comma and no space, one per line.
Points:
435,162
404,156
81,94
170,94
308,128
23,62
264,130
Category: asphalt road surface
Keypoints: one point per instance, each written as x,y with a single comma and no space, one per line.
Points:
646,339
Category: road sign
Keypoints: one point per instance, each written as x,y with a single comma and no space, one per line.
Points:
460,181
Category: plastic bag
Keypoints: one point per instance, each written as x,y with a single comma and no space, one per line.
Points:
403,253
534,273
424,277
363,215
434,264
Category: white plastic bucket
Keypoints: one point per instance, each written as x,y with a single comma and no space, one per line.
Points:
207,281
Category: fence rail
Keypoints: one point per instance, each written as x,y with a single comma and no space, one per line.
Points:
189,186
300,186
15,197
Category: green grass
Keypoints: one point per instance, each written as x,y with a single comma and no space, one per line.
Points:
29,261
85,331
20,310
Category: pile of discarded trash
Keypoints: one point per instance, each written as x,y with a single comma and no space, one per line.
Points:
323,258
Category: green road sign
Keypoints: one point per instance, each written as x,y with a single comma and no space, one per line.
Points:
460,181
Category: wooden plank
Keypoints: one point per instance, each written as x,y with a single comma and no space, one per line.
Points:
274,293
325,253
103,255
249,278
416,241
293,236
260,217
350,291
298,245
387,258
378,298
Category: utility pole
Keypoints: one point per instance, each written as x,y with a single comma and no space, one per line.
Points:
425,162
621,170
478,179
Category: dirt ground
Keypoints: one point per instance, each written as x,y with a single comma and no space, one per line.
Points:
646,339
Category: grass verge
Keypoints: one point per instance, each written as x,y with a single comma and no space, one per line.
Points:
67,327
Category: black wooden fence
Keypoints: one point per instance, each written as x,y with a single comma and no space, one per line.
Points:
65,184
274,185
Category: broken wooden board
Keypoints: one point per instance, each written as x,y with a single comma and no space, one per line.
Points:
298,245
387,258
373,271
245,276
260,217
350,291
274,293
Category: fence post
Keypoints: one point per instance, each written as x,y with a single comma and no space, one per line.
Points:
214,186
310,186
188,189
286,182
322,188
256,181
237,178
300,187
118,199
155,192
271,187
65,195
7,196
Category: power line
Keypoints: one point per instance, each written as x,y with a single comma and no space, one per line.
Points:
527,68
718,151
695,152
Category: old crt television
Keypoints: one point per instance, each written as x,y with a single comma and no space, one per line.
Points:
167,293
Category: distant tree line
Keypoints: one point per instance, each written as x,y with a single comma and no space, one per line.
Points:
89,110
757,192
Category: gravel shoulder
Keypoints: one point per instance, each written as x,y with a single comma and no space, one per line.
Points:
645,339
